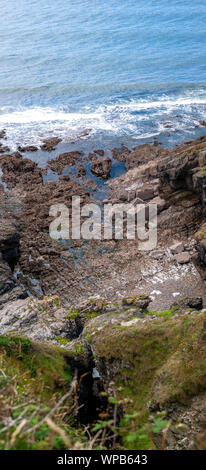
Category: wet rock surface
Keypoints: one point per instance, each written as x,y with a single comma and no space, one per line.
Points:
50,144
66,159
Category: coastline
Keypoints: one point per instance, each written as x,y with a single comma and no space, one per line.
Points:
86,297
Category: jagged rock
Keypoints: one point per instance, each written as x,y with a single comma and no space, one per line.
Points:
66,159
102,167
43,320
28,148
50,144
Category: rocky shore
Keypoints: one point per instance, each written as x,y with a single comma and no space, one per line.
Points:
133,321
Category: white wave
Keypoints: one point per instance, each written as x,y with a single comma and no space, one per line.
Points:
44,115
152,118
141,105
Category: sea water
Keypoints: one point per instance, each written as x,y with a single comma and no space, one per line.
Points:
116,71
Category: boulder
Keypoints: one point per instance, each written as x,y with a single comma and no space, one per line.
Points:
102,168
182,258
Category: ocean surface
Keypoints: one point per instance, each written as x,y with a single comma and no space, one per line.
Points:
116,71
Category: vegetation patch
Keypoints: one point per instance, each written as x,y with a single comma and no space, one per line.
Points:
36,403
158,362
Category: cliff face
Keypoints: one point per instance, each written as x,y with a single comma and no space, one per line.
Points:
186,171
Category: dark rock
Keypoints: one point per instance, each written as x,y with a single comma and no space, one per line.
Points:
4,149
3,134
145,194
28,148
80,171
67,159
50,144
99,152
102,167
183,172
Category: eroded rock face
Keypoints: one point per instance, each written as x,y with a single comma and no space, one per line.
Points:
185,171
102,167
9,252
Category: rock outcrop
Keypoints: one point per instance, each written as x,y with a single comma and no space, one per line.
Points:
102,167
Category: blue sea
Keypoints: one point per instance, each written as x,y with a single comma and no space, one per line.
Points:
109,71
